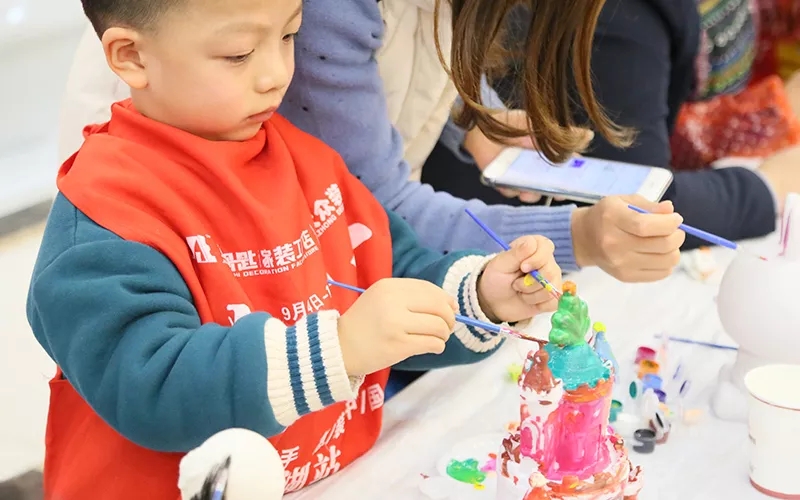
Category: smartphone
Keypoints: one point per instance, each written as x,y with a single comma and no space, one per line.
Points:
581,179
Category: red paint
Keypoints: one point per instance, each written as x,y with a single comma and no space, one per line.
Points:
773,494
645,353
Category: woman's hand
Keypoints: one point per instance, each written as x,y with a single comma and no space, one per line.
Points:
629,246
484,150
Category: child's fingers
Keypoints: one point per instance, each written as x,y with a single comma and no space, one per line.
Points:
552,273
535,253
509,262
426,298
539,261
528,284
540,298
430,324
425,344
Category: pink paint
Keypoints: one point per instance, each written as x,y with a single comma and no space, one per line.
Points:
526,441
645,354
785,223
580,439
540,439
490,465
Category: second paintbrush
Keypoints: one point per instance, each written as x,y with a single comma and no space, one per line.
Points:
555,292
466,320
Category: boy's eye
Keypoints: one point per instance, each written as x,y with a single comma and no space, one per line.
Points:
238,59
288,38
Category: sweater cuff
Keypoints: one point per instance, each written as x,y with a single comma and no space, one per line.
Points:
452,137
305,369
551,222
461,282
489,97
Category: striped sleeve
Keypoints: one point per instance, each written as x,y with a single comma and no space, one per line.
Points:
306,370
467,344
461,281
457,273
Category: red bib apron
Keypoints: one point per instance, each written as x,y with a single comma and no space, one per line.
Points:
251,226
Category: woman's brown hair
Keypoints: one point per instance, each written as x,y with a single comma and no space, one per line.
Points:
555,58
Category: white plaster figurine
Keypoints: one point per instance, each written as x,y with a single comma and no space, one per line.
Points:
254,470
758,306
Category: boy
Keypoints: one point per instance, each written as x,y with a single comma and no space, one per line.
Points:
181,286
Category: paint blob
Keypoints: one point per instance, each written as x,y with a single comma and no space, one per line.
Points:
466,471
514,371
491,464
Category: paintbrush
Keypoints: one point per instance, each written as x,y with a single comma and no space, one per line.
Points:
704,235
497,329
216,482
711,345
555,292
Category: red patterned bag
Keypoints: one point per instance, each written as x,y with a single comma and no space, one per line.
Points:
756,122
778,38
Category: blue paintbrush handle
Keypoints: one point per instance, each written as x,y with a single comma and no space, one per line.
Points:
461,319
536,275
699,233
704,344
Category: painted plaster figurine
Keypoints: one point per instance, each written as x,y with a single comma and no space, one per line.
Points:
563,448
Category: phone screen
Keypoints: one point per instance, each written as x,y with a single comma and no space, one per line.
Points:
578,175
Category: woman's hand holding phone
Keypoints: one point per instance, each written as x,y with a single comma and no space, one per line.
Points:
484,150
629,246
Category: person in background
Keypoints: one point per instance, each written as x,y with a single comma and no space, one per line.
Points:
25,486
369,82
649,58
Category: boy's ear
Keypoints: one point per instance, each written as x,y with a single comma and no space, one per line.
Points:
122,47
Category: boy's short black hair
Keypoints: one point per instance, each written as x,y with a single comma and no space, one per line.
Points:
136,14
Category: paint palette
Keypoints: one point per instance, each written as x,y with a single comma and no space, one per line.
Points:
467,471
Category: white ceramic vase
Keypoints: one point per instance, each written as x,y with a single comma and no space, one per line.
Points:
759,306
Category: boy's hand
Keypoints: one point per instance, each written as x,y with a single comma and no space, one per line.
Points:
502,290
392,321
629,246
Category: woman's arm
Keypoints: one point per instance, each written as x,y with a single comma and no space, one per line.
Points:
632,64
337,96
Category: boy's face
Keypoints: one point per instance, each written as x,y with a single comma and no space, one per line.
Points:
215,68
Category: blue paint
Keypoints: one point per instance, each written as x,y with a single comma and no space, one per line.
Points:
576,365
603,349
651,381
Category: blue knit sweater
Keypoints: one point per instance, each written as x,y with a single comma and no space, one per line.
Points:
337,96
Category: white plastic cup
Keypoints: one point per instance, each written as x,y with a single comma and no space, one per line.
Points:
774,418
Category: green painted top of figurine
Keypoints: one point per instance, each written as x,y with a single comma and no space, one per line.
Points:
571,321
572,359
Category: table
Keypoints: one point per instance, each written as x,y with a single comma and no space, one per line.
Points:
705,461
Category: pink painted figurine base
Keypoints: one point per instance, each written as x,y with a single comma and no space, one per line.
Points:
562,448
518,477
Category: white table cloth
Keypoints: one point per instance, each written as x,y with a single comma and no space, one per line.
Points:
705,461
